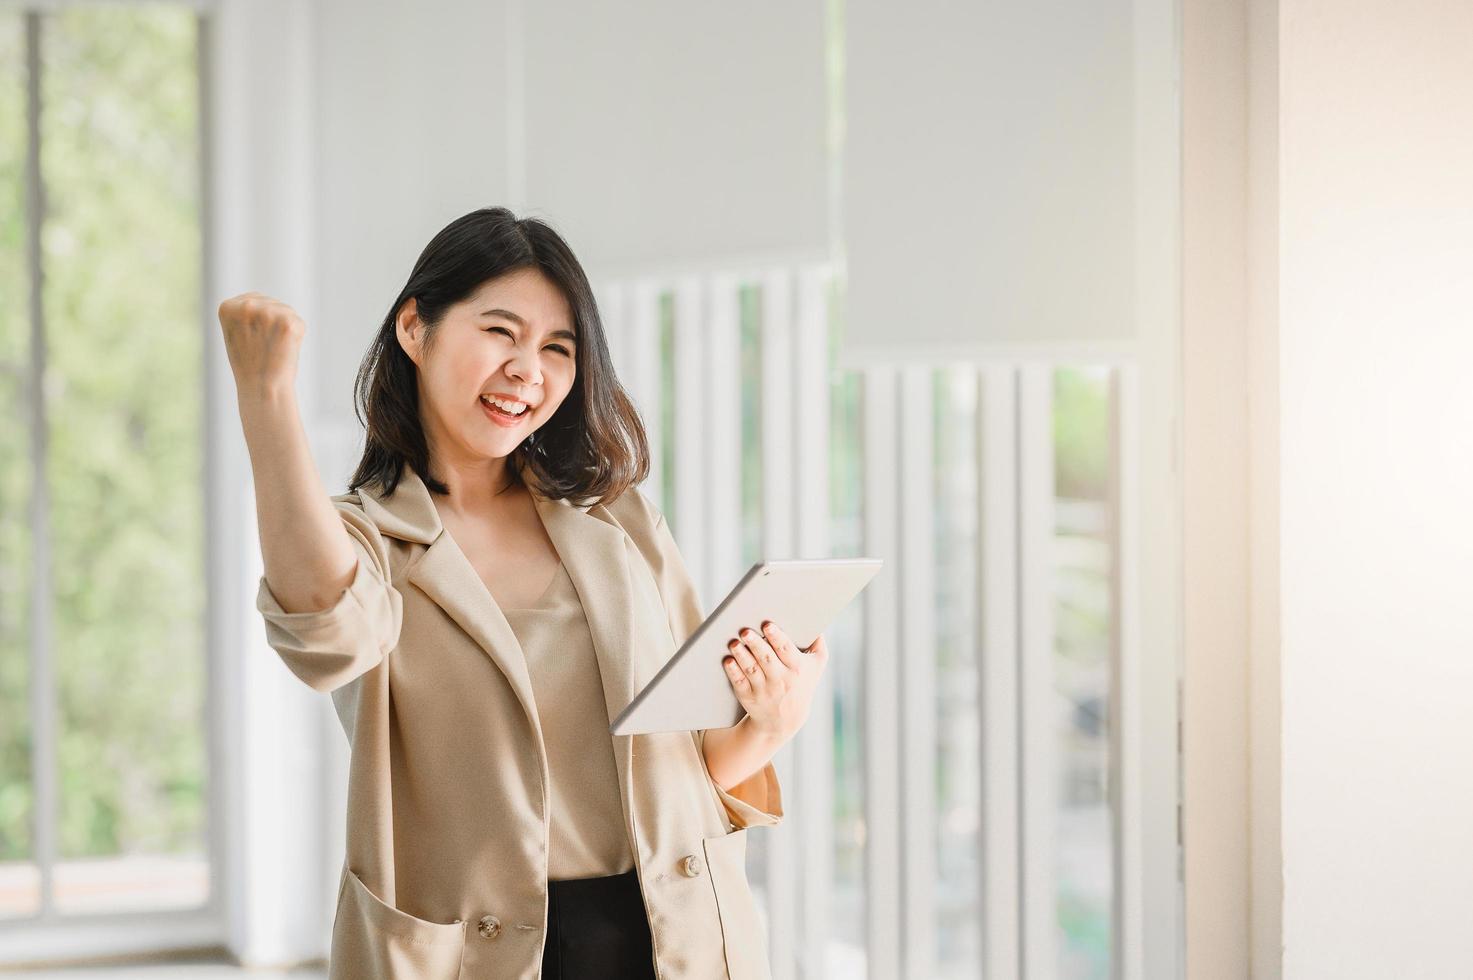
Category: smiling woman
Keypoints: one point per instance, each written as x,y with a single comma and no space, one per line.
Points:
497,306
492,591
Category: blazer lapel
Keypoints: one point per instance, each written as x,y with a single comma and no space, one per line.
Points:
593,550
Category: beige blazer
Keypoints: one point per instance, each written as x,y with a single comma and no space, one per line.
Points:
445,872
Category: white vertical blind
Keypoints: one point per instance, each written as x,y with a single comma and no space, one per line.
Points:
775,394
997,562
640,331
1021,839
883,857
807,451
690,511
1037,701
720,385
916,655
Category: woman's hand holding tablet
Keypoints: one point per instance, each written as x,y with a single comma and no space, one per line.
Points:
779,672
773,679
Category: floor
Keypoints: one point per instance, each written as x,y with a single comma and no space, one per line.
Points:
174,970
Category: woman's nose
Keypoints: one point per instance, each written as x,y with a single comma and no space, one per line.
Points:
524,369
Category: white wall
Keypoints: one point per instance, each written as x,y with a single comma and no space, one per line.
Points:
1328,256
666,132
1264,692
991,192
411,116
275,873
1215,462
1376,346
652,137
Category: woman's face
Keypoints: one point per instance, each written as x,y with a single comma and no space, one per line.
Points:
515,340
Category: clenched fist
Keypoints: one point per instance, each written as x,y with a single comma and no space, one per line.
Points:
262,338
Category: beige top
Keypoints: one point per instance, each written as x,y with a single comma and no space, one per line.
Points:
587,835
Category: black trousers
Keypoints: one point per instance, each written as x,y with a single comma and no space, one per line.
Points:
596,929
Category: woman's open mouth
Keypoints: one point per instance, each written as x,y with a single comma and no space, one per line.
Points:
505,419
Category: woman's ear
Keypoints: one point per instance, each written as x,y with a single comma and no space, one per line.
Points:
410,329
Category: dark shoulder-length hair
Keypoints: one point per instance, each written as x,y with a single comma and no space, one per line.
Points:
594,446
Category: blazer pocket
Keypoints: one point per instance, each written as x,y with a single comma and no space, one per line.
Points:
741,924
373,940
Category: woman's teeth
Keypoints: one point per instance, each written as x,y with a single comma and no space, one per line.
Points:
513,409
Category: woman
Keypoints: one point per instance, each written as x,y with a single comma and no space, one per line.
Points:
492,591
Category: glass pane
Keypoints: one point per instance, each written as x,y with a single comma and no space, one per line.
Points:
847,955
1082,681
121,251
751,408
749,384
19,881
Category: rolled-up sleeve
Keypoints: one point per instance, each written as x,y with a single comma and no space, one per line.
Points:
330,647
756,800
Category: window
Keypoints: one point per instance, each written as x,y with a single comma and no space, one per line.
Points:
102,560
954,799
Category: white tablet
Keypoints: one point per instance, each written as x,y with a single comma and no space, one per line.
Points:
803,596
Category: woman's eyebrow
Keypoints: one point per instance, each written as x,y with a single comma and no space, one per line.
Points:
517,319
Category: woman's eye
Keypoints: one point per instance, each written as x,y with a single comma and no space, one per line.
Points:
557,347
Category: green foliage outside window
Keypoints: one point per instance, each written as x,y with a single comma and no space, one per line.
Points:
123,466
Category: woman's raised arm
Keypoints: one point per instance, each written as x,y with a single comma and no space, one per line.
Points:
329,608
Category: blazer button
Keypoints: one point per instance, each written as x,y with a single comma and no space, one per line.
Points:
690,865
490,926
